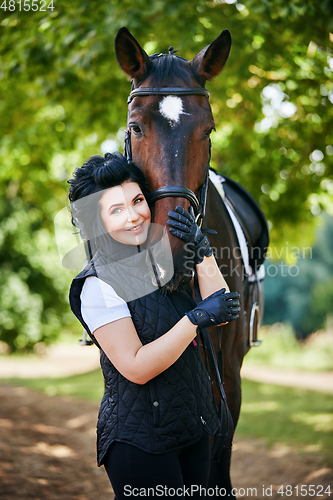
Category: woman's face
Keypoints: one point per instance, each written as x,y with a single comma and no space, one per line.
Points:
126,214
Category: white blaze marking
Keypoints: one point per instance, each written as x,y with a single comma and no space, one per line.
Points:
171,108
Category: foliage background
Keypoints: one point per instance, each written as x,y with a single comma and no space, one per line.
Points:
63,95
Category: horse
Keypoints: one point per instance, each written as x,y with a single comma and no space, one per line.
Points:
168,137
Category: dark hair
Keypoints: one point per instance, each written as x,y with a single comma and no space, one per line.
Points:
97,174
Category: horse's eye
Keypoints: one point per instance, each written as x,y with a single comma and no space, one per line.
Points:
136,129
207,134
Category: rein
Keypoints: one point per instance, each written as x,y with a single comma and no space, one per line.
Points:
198,203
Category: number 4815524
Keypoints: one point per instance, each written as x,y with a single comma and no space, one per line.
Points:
27,5
304,490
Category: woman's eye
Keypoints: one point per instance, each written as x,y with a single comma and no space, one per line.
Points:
139,200
116,211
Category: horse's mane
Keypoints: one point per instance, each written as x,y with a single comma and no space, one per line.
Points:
168,68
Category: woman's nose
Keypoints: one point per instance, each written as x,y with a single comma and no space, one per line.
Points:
132,214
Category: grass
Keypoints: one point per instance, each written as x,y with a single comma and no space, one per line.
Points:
289,416
280,349
298,418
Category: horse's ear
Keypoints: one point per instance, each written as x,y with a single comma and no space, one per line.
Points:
209,62
132,59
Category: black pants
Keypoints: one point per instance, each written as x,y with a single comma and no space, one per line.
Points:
135,473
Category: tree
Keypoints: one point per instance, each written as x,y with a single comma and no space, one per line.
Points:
302,294
63,95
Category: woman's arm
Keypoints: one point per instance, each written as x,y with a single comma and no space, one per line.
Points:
140,363
137,362
210,277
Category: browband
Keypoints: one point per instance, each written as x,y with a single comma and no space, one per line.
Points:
167,91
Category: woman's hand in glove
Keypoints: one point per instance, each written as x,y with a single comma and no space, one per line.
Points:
218,308
183,226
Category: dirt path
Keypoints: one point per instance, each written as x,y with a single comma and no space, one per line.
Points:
47,444
47,448
47,452
59,360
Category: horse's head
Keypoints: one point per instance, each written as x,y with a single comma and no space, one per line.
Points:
169,124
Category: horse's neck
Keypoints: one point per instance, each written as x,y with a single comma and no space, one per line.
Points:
225,243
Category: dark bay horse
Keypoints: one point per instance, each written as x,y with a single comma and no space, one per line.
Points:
169,124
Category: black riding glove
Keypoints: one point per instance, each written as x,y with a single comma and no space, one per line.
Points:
183,226
220,307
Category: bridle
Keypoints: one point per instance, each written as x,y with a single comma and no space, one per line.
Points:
198,203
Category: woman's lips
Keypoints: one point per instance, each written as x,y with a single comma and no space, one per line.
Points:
135,228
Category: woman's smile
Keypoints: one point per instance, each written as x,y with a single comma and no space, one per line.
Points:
136,228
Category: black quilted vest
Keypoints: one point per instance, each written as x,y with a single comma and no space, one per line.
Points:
171,410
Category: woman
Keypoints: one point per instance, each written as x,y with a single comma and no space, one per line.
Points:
157,411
